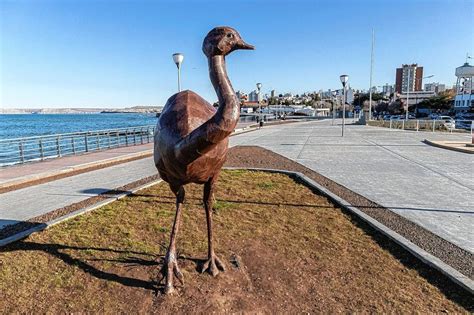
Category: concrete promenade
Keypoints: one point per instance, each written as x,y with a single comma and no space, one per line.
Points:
430,186
29,171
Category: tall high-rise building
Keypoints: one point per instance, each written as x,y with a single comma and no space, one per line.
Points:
253,96
273,94
409,78
387,89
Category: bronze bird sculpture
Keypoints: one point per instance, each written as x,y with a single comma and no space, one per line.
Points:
191,142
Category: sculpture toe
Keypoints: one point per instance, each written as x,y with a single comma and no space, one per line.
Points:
170,270
213,265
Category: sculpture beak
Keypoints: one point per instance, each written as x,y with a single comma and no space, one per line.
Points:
243,45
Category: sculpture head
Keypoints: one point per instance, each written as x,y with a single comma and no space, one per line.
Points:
222,41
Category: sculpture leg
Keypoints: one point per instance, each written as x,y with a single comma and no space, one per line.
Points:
170,265
213,263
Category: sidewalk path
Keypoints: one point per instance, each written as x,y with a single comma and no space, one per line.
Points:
53,166
23,204
431,186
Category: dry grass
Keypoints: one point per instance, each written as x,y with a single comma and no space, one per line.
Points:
297,253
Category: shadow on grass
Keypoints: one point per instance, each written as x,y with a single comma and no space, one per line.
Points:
161,199
56,250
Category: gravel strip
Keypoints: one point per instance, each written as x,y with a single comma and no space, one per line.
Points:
461,260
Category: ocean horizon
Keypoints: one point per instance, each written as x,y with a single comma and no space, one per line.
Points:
28,125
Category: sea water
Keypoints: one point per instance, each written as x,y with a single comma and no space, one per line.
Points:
26,125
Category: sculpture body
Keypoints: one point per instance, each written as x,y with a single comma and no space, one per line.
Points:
191,142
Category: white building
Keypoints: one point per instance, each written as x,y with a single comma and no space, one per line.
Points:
464,99
415,97
435,87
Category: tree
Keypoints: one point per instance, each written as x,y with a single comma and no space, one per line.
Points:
361,98
396,107
381,107
272,101
443,101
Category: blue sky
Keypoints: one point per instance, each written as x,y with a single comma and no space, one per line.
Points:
71,53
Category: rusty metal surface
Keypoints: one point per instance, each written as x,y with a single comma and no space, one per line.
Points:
191,136
191,140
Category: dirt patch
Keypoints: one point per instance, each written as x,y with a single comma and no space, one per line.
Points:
287,250
462,260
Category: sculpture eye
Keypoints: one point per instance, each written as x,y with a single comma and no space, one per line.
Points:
230,35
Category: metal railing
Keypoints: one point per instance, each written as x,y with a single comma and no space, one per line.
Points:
39,148
427,125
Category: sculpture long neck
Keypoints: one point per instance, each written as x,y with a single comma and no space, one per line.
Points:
218,127
228,102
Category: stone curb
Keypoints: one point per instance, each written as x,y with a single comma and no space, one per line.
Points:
447,147
430,260
44,226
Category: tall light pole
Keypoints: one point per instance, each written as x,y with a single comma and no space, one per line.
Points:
408,91
178,59
371,71
344,78
259,87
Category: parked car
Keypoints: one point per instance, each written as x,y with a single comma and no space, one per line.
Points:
434,116
386,117
447,121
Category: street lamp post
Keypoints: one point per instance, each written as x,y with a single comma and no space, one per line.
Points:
416,95
178,59
408,93
259,87
408,89
344,78
371,71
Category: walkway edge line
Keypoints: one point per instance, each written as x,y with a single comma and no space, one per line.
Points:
416,251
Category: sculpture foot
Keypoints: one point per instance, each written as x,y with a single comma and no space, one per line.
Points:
170,268
213,265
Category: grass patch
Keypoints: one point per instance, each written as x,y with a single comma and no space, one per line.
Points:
297,253
266,185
